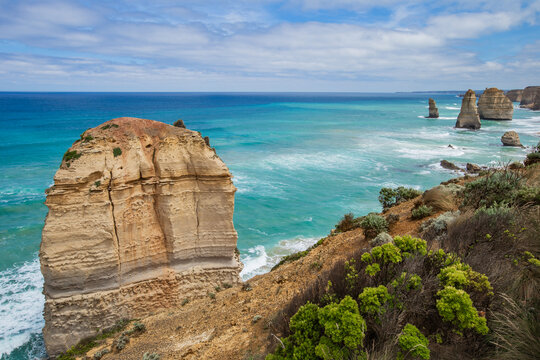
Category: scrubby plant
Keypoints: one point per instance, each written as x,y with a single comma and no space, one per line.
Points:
109,126
421,212
99,354
498,187
335,331
455,306
226,285
88,138
411,282
185,302
462,276
528,195
212,295
347,223
117,151
151,356
410,246
412,343
373,224
373,300
351,274
71,155
121,342
389,197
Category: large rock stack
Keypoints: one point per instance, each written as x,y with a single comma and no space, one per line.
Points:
140,218
468,116
433,111
514,95
531,98
494,105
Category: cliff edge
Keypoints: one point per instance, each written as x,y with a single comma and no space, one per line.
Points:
140,217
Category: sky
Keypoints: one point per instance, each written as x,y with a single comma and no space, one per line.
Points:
268,45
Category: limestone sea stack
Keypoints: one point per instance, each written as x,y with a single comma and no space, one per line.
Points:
140,218
531,98
468,116
494,105
433,111
511,138
514,95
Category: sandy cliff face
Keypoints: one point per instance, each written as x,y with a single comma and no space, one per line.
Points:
494,105
468,116
140,217
514,95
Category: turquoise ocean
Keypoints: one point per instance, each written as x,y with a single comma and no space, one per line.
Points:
300,161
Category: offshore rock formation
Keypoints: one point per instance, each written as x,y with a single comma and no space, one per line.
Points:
514,95
140,218
433,111
494,105
531,98
468,116
511,138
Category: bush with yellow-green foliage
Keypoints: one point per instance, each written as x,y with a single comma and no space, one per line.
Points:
413,344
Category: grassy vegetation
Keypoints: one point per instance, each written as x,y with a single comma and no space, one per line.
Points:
389,197
71,155
117,151
109,126
298,255
421,212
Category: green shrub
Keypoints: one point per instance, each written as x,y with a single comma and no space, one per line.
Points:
384,254
99,354
373,224
410,246
389,197
71,155
117,151
461,276
351,274
528,195
373,300
411,282
412,342
333,332
88,138
499,187
421,212
455,306
109,126
77,350
122,341
495,210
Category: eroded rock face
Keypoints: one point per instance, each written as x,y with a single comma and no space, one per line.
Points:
531,98
511,138
468,116
494,105
433,111
140,218
514,95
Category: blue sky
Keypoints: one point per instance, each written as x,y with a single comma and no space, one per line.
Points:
268,45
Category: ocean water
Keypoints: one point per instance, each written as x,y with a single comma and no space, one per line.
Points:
300,161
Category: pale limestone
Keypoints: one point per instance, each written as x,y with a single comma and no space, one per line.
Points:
494,105
129,234
468,116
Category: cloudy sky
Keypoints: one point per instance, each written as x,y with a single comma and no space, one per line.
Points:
268,45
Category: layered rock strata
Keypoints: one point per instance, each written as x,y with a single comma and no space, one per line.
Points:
433,111
514,95
531,98
140,218
468,116
511,138
494,105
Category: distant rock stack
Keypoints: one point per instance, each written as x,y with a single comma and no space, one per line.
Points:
140,218
433,111
494,105
468,116
511,138
531,98
514,95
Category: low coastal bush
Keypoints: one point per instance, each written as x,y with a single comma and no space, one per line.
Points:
151,356
347,223
495,188
71,155
373,225
412,343
421,212
389,197
109,126
117,151
298,255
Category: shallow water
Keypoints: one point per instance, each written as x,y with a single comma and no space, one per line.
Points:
300,161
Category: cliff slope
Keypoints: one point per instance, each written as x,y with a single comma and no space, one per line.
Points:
140,216
494,105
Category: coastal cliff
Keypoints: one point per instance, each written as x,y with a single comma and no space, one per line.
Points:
514,95
468,116
531,98
140,218
494,105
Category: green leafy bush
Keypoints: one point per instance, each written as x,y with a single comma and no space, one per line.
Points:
117,151
421,212
109,126
499,187
462,276
373,300
410,246
71,155
412,342
455,306
389,197
373,224
99,354
151,356
528,195
411,282
333,332
347,223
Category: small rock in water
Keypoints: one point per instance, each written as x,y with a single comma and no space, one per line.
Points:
511,138
473,168
448,165
451,146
